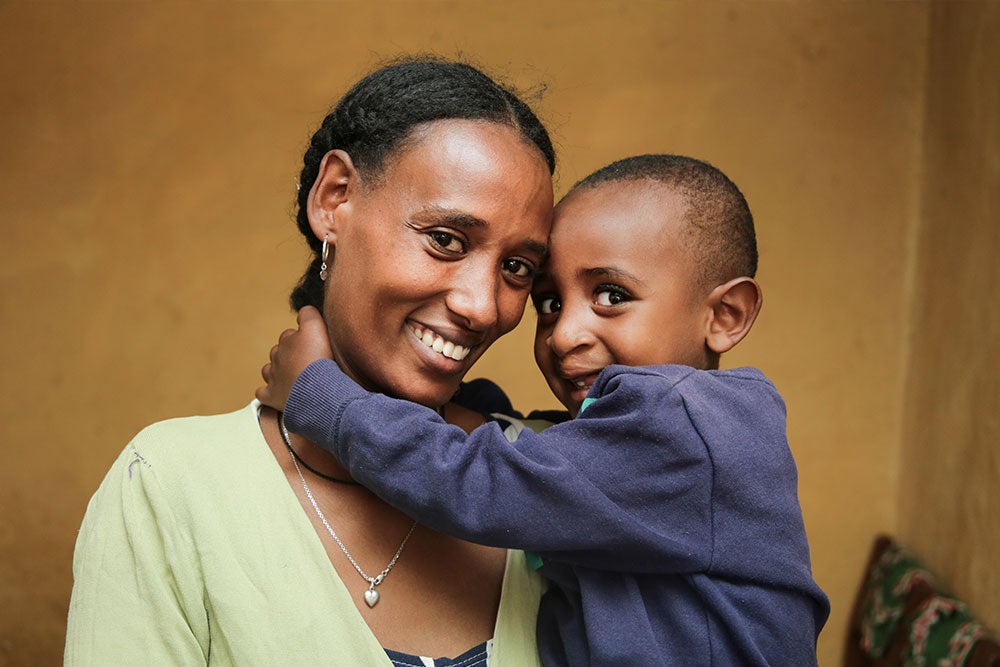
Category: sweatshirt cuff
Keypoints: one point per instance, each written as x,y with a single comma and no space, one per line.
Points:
318,400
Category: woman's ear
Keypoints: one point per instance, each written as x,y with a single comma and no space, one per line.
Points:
734,307
335,183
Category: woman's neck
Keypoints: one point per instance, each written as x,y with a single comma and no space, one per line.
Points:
440,598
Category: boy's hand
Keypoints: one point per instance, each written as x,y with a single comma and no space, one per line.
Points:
295,350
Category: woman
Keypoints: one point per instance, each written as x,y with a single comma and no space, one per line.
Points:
426,195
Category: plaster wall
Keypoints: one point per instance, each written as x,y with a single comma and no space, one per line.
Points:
950,467
148,160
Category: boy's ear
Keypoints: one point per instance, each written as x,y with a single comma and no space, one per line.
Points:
336,181
734,307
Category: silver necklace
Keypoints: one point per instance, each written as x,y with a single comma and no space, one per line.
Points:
371,595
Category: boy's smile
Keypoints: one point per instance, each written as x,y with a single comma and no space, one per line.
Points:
620,287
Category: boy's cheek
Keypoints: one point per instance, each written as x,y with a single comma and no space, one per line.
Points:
547,365
543,353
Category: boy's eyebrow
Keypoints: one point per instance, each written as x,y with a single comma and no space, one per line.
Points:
613,274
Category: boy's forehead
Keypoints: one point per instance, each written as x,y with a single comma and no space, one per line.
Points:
655,204
635,227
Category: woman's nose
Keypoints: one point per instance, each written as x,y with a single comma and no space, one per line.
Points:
474,297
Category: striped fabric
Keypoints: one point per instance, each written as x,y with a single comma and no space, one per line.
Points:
478,656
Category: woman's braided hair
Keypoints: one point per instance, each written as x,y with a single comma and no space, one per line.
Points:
379,114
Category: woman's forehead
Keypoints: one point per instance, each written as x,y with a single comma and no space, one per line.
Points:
474,173
455,138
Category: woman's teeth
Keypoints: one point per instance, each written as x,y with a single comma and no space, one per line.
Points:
440,345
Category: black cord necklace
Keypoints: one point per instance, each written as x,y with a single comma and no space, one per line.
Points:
288,443
295,455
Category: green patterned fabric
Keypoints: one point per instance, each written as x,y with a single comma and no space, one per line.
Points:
942,634
890,581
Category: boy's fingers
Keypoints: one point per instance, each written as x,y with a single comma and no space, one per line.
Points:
285,334
265,373
308,314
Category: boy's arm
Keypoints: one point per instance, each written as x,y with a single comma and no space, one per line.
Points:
596,491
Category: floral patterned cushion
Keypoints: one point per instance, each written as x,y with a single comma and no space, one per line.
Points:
903,618
895,574
942,633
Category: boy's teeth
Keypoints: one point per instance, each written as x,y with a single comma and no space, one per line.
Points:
442,346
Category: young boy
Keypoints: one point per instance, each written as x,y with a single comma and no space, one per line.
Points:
665,514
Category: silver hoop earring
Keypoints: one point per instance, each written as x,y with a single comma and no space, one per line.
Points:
323,273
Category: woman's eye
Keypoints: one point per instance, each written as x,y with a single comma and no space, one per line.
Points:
447,241
608,296
547,305
518,268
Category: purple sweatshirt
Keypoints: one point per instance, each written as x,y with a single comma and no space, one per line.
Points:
666,514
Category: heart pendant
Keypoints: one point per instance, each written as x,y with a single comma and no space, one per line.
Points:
371,597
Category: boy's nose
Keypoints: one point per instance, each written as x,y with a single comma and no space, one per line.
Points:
569,334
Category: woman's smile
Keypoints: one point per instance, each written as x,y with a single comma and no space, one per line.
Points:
439,344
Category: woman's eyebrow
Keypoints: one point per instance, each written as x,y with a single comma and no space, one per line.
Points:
459,218
450,216
534,246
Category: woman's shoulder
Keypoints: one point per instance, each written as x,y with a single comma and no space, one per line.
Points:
196,442
181,466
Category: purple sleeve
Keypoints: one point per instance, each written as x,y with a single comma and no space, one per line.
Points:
627,485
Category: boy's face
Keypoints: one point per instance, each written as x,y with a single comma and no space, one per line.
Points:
620,287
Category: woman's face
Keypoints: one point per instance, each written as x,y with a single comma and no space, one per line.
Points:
434,261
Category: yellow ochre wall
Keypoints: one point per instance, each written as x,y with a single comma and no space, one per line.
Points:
147,170
949,472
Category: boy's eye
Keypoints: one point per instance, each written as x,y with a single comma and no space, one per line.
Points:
547,305
519,268
610,296
447,241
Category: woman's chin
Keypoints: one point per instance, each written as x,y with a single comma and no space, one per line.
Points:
431,395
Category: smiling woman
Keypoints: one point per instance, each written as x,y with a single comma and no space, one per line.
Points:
426,196
445,244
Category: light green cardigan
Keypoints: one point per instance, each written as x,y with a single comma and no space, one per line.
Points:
195,551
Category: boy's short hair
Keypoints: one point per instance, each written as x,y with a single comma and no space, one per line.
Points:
720,227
